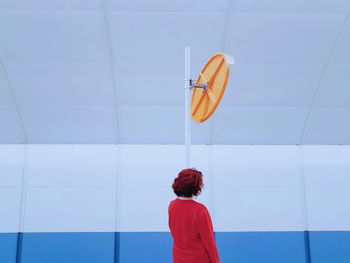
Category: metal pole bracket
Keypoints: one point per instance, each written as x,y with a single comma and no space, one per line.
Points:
194,85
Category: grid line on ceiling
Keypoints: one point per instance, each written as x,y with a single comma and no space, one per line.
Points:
320,80
223,41
112,71
8,85
164,10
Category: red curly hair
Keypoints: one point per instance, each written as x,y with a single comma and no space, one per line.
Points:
188,183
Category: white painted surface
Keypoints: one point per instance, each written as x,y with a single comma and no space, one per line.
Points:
258,209
11,165
327,176
54,4
327,166
70,210
146,175
150,166
297,6
52,35
341,56
71,166
11,130
256,166
262,85
66,60
76,83
9,209
282,39
177,30
326,121
247,188
82,124
334,92
271,125
328,208
174,6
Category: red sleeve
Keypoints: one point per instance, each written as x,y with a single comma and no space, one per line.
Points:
206,232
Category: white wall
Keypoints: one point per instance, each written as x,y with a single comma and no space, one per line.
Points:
327,177
74,188
11,172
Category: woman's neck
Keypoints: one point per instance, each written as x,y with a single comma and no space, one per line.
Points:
185,198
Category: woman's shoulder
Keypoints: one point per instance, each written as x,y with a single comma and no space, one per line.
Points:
200,206
191,202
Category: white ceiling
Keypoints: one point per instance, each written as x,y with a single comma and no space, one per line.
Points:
94,71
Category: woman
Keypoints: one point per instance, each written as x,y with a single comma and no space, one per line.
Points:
190,223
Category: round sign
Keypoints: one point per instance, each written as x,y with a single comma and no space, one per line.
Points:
215,74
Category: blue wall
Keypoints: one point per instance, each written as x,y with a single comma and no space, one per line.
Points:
68,247
8,247
330,246
272,247
237,247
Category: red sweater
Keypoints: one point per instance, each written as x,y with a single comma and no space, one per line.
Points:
191,227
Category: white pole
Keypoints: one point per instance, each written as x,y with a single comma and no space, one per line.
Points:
187,106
